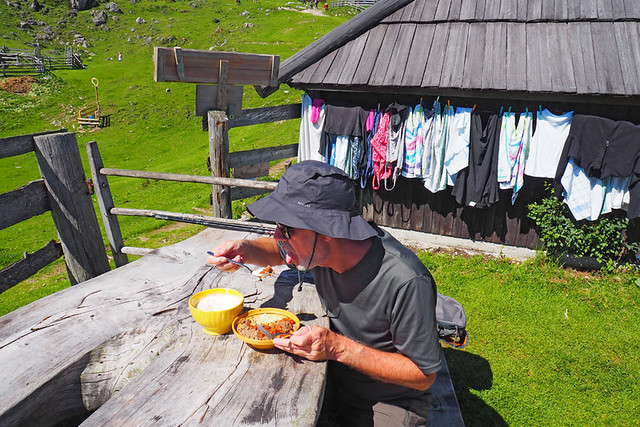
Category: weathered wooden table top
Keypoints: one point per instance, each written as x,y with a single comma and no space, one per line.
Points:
122,349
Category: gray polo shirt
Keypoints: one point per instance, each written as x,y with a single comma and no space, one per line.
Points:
386,302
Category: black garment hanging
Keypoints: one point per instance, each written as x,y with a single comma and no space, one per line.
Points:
343,121
604,148
477,185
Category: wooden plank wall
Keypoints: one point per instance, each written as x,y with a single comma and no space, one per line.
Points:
410,206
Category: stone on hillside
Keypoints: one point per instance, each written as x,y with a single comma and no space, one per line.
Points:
140,21
83,4
133,2
24,25
13,4
35,6
113,7
100,18
73,13
247,25
245,13
115,18
193,5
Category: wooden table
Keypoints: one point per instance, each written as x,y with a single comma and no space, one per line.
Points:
122,349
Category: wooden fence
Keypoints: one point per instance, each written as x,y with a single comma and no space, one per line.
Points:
356,4
224,189
17,62
63,191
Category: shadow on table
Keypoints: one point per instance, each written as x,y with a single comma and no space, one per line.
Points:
286,284
469,371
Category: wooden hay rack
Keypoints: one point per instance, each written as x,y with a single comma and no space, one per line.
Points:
91,115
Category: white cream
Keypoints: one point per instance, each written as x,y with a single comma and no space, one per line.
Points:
218,302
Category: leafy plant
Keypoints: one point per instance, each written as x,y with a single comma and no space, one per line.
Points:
561,234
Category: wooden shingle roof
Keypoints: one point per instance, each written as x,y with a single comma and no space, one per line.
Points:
579,47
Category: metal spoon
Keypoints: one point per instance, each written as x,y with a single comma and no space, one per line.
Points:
234,262
269,334
265,331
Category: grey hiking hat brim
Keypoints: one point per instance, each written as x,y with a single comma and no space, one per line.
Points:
315,196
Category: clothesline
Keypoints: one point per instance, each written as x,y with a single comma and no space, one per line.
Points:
448,146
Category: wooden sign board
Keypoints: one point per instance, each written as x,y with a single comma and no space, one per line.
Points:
207,99
203,66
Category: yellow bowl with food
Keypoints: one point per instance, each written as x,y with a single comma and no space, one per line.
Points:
216,308
275,320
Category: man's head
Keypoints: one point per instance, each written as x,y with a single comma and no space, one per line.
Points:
315,196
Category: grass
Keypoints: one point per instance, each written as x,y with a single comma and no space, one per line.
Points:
548,346
153,126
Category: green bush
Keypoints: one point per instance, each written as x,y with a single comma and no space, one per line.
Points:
561,234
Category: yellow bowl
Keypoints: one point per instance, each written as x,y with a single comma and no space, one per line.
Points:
216,322
263,344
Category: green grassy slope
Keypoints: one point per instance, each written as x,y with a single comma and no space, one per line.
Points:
153,126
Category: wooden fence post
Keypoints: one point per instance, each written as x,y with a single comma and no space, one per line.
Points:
219,156
105,201
71,207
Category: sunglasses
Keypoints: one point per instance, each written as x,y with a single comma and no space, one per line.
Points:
286,231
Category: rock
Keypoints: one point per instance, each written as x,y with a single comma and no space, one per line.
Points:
44,10
115,18
247,25
100,18
13,4
35,6
83,4
113,7
134,2
193,5
73,13
140,21
24,25
245,13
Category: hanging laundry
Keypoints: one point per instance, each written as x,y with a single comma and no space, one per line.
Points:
413,143
507,137
605,148
514,144
584,195
547,143
395,145
477,185
344,128
309,147
434,150
379,152
457,149
366,170
588,197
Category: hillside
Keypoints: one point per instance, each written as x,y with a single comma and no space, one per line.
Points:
153,126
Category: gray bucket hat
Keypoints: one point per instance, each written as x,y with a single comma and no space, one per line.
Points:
315,196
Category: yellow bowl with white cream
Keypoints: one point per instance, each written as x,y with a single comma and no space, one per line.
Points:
216,308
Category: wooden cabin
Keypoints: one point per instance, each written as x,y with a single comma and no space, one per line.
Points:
563,55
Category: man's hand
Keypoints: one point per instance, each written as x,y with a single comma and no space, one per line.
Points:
261,252
318,343
232,249
313,343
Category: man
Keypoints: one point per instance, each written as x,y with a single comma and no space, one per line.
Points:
382,347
